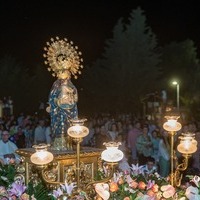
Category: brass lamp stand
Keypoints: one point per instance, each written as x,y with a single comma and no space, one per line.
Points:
77,131
187,146
41,157
112,155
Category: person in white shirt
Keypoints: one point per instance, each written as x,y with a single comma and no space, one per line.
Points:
39,134
113,132
149,167
7,150
48,133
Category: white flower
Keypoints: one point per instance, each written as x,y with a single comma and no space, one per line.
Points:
68,188
128,179
196,180
168,191
33,198
57,193
105,170
157,175
136,169
182,198
116,177
145,197
102,189
4,178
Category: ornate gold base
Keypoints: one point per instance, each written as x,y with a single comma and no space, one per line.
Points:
63,166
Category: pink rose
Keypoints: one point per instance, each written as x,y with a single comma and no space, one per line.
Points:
168,191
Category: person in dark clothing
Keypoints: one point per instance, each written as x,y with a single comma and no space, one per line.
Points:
20,138
101,137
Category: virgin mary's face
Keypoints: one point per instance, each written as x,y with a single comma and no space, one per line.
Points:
63,75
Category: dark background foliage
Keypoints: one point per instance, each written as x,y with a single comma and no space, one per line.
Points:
132,62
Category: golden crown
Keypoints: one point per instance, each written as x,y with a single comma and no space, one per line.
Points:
61,55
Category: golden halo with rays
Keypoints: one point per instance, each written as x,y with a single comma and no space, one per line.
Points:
61,55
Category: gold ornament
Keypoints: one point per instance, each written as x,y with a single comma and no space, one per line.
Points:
62,56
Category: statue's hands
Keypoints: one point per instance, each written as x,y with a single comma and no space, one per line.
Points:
59,101
65,103
62,101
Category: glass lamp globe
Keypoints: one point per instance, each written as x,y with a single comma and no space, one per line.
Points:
77,130
172,124
186,148
112,153
188,145
41,156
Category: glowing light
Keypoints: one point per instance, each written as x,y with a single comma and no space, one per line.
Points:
172,124
112,153
41,156
188,144
175,83
77,130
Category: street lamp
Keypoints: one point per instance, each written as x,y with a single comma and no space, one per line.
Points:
177,93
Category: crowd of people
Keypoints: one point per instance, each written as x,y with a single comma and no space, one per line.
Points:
141,139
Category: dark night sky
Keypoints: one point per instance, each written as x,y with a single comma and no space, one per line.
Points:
26,26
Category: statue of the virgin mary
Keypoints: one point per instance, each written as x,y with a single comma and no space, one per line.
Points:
64,61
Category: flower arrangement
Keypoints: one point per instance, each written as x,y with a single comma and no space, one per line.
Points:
135,185
12,186
127,185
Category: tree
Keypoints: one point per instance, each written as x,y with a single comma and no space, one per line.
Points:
27,88
43,80
15,82
180,62
128,67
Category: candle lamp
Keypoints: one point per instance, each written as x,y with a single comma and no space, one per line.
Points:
187,146
112,155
